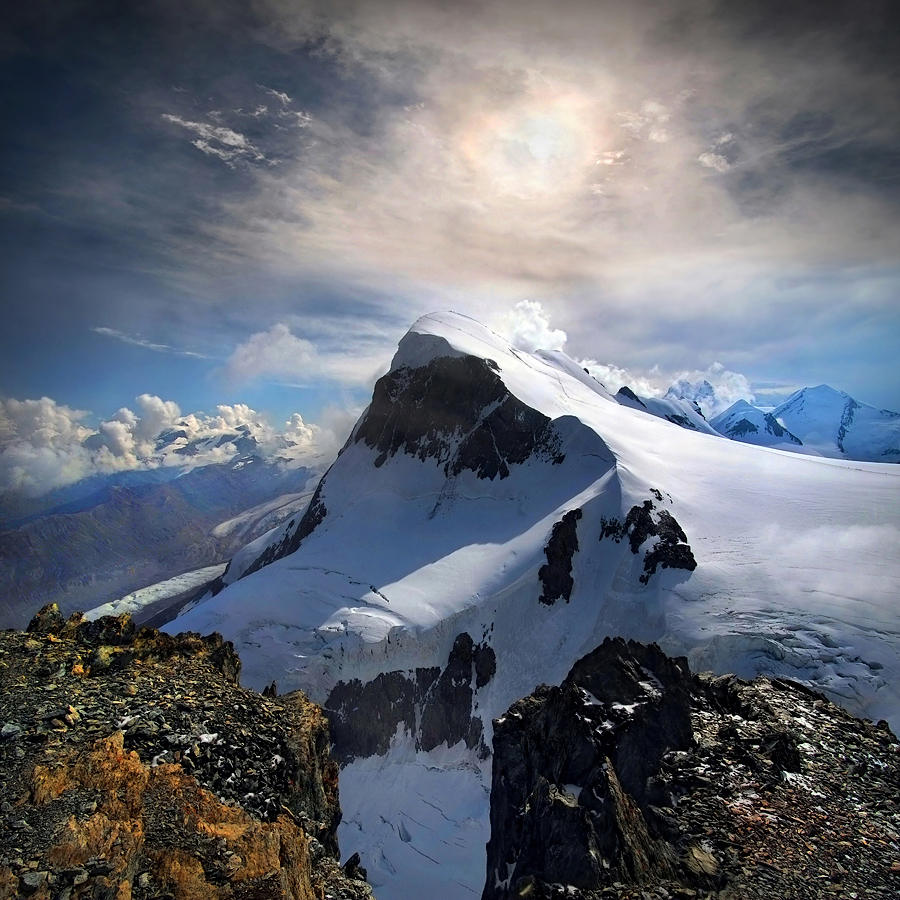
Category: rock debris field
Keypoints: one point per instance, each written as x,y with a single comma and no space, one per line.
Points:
132,765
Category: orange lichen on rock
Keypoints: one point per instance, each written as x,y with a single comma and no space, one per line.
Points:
137,768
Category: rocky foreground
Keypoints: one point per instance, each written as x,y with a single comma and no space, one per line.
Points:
637,779
133,765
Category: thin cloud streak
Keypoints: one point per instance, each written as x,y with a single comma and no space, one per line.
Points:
147,345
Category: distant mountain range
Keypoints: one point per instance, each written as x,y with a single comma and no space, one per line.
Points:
817,421
99,539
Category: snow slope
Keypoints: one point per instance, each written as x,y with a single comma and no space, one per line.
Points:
402,549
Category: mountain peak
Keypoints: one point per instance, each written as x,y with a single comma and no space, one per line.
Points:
447,333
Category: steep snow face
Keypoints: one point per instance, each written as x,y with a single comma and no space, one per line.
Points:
434,523
679,412
743,422
836,425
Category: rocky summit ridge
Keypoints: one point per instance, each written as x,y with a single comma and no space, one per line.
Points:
133,766
637,779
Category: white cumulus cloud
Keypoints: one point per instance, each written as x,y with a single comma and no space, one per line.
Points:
45,445
527,326
613,378
274,354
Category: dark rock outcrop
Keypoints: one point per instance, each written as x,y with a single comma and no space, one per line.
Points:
626,391
671,549
134,766
571,765
457,411
683,421
635,778
434,704
556,574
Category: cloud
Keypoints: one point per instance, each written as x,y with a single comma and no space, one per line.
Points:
849,566
41,445
527,327
613,377
280,96
276,354
491,176
233,144
728,387
141,342
45,445
714,161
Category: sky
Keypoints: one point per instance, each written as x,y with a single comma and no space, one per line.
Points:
211,205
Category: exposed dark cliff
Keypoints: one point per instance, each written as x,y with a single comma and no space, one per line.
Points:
670,549
133,766
556,574
635,778
457,411
434,704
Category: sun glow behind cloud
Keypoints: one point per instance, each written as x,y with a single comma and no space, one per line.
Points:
675,182
540,148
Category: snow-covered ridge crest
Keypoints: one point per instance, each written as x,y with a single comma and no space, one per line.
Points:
448,334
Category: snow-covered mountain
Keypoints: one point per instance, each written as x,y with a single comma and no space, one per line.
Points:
743,422
703,394
493,516
818,421
681,412
832,423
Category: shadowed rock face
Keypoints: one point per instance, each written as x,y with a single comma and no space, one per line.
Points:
134,766
556,575
457,411
635,778
601,734
432,703
626,391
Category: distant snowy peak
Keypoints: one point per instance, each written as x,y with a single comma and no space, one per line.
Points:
177,440
746,423
703,394
834,424
685,413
